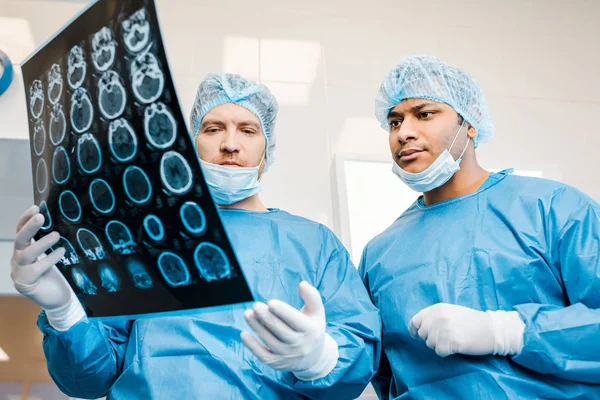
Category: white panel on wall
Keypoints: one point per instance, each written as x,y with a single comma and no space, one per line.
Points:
372,198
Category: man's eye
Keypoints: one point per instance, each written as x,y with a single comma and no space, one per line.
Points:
395,123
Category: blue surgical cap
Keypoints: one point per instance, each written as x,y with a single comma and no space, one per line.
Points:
218,89
428,77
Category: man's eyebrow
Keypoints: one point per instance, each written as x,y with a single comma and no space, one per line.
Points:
421,106
414,109
250,123
212,122
395,114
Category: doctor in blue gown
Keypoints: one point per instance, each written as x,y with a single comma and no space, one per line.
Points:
489,284
313,333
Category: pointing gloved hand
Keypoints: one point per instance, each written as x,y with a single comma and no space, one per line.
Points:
294,340
450,329
35,275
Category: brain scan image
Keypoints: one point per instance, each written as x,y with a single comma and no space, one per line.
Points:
70,257
111,95
47,217
61,166
137,185
104,49
115,172
119,237
41,176
39,138
147,79
102,196
211,261
83,282
76,67
122,140
154,228
55,84
90,245
57,127
69,206
193,218
89,155
109,279
36,99
175,173
136,31
140,277
159,126
173,269
82,112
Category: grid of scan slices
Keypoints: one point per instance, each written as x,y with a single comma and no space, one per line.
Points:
114,90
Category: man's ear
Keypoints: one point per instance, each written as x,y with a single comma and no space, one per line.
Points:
471,132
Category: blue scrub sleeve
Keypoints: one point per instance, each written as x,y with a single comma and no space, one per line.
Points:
352,321
87,359
565,341
383,378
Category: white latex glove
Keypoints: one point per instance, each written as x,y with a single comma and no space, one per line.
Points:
294,340
35,275
451,329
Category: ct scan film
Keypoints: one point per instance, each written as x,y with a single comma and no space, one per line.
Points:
116,174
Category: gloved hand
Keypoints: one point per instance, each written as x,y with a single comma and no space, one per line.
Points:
451,329
35,275
294,340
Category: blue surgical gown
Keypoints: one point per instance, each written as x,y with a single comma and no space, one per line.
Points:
518,243
201,356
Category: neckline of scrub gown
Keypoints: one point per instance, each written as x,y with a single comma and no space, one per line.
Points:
492,180
244,211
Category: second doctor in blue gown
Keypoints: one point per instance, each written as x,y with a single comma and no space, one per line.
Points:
489,284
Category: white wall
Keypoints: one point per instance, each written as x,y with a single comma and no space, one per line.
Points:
16,195
6,287
537,61
24,25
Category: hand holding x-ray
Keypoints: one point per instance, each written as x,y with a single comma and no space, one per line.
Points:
35,275
294,340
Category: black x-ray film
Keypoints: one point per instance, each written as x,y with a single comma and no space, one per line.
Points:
116,174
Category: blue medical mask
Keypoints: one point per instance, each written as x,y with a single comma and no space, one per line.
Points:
230,185
437,174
